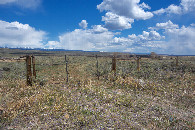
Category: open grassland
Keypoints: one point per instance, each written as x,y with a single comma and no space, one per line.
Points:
160,96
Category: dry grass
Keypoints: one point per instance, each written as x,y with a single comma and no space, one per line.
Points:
155,98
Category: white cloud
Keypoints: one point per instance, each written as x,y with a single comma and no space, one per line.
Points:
174,9
53,45
178,40
122,41
99,38
15,34
83,24
160,11
144,6
171,9
132,36
153,35
182,40
186,6
128,8
98,29
96,38
146,36
166,25
116,22
22,3
192,24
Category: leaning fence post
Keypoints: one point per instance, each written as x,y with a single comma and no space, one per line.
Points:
33,63
97,67
66,68
28,71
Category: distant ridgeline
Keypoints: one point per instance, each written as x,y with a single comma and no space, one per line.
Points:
43,52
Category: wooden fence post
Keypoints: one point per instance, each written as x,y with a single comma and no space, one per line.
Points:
28,71
33,63
138,63
114,64
97,68
66,68
177,60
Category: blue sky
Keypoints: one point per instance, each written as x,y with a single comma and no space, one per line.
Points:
136,26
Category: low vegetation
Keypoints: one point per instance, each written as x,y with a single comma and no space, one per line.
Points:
159,96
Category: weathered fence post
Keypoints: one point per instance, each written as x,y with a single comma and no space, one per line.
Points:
66,68
33,63
177,60
114,64
28,71
138,63
97,68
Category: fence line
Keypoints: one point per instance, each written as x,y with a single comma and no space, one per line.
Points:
31,69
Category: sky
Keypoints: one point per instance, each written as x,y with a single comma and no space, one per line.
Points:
133,26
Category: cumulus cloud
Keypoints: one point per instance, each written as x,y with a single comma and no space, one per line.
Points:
175,40
171,9
146,36
128,8
121,15
16,34
186,6
99,38
144,6
179,40
22,3
182,40
166,25
96,38
116,22
53,45
98,29
83,24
